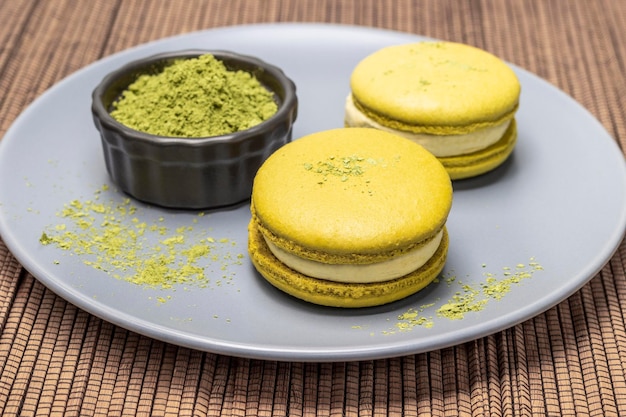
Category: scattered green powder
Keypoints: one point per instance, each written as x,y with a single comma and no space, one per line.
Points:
475,298
461,303
110,236
342,168
469,298
412,318
195,97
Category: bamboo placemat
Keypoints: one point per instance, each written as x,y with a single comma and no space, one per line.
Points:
571,360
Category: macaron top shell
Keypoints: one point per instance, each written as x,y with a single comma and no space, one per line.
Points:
436,85
353,191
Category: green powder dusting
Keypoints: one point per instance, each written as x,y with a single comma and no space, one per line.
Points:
342,168
110,236
348,166
475,298
468,298
195,97
412,318
461,303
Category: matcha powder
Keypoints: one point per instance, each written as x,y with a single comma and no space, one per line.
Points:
110,236
195,97
469,299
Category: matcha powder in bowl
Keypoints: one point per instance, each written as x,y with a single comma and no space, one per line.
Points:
189,129
195,97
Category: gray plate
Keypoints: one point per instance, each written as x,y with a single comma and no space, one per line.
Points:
560,201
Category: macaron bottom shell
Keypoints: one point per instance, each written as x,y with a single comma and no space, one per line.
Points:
336,294
484,160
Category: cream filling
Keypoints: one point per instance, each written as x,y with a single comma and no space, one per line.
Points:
440,146
360,273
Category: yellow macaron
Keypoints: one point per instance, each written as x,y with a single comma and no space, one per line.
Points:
456,100
350,217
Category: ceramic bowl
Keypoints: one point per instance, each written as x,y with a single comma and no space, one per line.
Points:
191,173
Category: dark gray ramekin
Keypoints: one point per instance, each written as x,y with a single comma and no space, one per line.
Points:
191,173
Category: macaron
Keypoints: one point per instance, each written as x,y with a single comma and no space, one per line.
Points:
457,101
350,217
